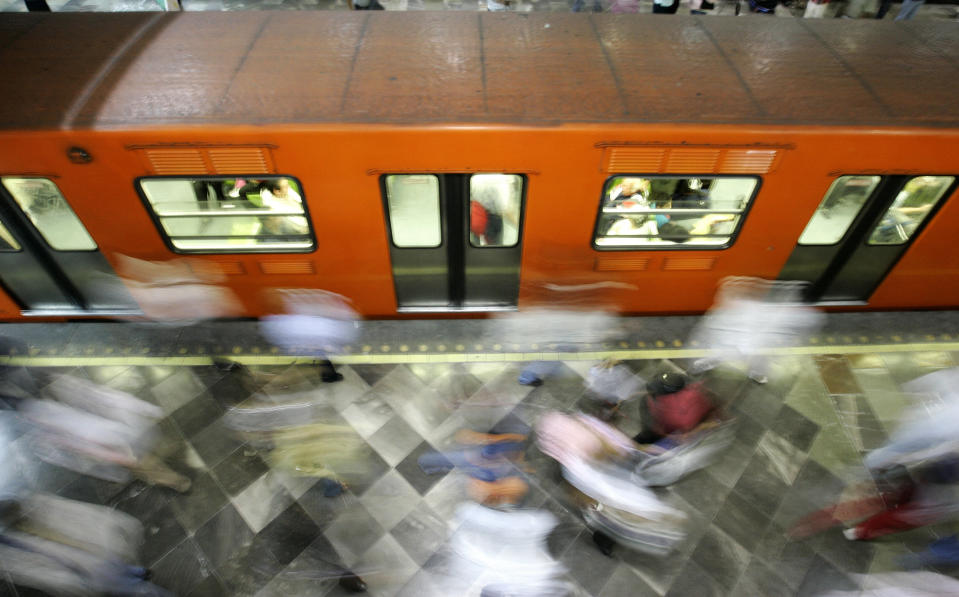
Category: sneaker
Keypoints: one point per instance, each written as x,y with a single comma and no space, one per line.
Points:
352,583
604,543
758,378
852,533
535,382
332,377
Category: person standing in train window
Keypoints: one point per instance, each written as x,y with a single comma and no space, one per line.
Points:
278,196
630,189
492,205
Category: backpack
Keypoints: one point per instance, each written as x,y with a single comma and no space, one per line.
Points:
478,218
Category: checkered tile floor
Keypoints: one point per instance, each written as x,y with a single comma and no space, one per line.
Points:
246,529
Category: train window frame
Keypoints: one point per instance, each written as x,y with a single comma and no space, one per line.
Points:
168,240
883,178
40,227
520,205
6,237
947,191
674,246
441,205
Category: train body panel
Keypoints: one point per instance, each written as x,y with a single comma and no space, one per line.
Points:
146,127
566,168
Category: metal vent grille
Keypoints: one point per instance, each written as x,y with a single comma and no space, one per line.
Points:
228,268
612,264
287,267
179,161
688,263
748,161
176,161
692,160
635,159
240,160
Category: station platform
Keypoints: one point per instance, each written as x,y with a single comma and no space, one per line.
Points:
246,528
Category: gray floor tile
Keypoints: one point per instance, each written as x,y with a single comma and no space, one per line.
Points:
394,440
587,565
760,579
262,501
795,427
182,569
823,577
741,521
421,533
760,485
722,557
693,580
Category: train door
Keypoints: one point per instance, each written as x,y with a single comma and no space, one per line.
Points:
455,240
49,263
861,229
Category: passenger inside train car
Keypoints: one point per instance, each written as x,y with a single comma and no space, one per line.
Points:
909,209
494,210
638,212
210,214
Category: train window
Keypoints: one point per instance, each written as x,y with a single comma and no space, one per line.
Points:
495,204
909,209
669,212
50,214
241,215
838,209
414,205
7,242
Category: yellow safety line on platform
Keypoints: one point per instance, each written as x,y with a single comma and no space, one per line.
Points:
427,357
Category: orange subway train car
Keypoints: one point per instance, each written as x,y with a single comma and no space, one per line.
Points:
437,163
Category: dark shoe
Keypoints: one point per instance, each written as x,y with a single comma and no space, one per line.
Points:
697,12
332,377
352,582
707,5
604,543
226,365
537,382
331,487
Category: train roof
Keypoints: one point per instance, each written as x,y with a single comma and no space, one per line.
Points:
102,70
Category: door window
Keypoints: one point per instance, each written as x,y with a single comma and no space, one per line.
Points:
495,205
414,210
909,209
838,209
50,214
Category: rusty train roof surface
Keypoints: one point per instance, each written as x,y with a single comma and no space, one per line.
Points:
146,69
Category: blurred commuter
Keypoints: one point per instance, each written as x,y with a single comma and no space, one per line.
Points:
672,405
611,383
749,317
314,322
99,431
491,462
509,550
909,9
69,548
566,330
179,291
600,464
